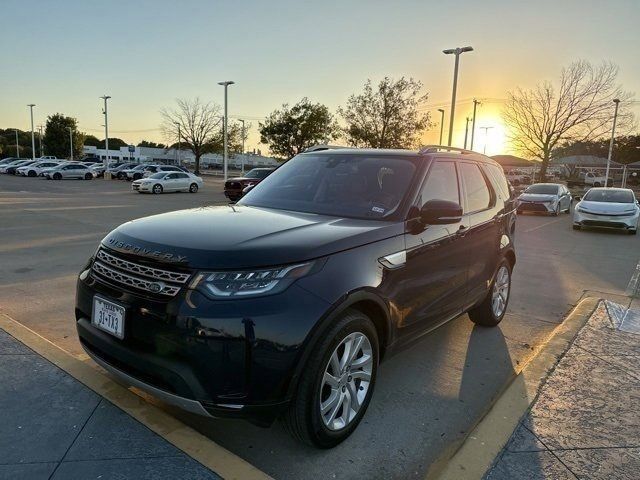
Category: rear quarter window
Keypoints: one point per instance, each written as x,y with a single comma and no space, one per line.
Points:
498,180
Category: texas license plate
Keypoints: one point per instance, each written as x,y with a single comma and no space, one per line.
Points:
108,316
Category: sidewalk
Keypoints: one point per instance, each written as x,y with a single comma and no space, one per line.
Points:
585,422
53,427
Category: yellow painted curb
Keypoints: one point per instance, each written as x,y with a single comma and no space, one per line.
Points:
194,444
477,452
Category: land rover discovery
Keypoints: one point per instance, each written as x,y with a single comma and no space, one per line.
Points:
284,304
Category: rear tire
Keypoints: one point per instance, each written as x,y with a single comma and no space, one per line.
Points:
157,188
57,176
193,188
88,176
633,232
576,227
32,173
491,311
304,419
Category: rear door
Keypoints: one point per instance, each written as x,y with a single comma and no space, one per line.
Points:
482,236
432,284
182,180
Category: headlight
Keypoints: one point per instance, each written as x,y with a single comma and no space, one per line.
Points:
249,282
582,210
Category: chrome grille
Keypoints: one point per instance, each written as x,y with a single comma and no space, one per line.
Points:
151,280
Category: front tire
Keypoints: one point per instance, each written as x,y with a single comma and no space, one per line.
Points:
32,173
157,188
576,227
88,176
493,308
57,176
337,385
193,188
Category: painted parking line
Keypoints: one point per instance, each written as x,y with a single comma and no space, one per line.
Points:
543,225
194,444
632,286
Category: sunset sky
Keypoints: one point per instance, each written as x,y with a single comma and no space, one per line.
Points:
63,55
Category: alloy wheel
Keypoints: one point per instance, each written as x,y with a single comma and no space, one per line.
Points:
500,293
346,381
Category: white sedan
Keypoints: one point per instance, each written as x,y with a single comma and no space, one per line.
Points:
168,182
608,207
35,169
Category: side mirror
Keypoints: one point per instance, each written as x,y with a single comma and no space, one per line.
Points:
577,198
247,189
440,212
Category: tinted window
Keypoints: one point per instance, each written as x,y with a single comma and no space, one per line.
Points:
257,173
499,180
542,189
441,184
81,167
172,176
609,196
476,191
181,175
342,185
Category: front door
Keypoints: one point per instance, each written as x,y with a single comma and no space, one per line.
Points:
433,283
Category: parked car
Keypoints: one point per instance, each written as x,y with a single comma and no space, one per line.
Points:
98,169
35,168
168,182
233,188
11,168
550,198
589,179
160,168
8,160
16,162
136,172
517,177
68,170
117,170
608,207
283,304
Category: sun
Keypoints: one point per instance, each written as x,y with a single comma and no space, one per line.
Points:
491,137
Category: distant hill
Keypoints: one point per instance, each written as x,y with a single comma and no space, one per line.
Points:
512,161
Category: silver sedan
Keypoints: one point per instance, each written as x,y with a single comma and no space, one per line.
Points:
550,198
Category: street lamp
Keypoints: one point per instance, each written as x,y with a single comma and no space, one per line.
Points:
613,132
106,131
17,145
473,123
242,156
441,123
40,127
179,138
33,138
70,142
455,51
486,137
225,158
466,132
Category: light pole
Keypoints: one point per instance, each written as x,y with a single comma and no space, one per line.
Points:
225,158
106,131
613,132
486,137
179,138
466,132
242,156
455,51
33,138
70,143
441,110
17,145
473,123
40,140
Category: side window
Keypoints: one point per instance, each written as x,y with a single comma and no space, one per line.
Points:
477,192
498,179
182,175
441,184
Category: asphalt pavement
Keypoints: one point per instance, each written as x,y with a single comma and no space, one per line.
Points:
427,398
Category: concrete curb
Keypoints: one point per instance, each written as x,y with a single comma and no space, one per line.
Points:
484,443
194,444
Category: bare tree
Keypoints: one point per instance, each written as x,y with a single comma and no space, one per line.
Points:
199,125
581,109
387,117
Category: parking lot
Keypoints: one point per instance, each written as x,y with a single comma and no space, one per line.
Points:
427,399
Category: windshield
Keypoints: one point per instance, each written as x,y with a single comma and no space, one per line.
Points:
158,175
609,196
257,173
542,189
355,186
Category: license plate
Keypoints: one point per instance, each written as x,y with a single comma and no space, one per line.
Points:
108,316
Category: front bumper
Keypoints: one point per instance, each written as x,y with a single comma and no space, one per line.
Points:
536,207
217,358
629,222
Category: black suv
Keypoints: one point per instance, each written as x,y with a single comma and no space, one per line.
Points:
284,304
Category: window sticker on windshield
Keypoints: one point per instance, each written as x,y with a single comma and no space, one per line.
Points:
377,209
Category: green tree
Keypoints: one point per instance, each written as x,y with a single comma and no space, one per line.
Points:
580,109
292,130
24,142
57,139
114,143
148,144
386,117
91,141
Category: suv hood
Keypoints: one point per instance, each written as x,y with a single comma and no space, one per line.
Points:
243,237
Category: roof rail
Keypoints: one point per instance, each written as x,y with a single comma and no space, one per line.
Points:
444,148
320,147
